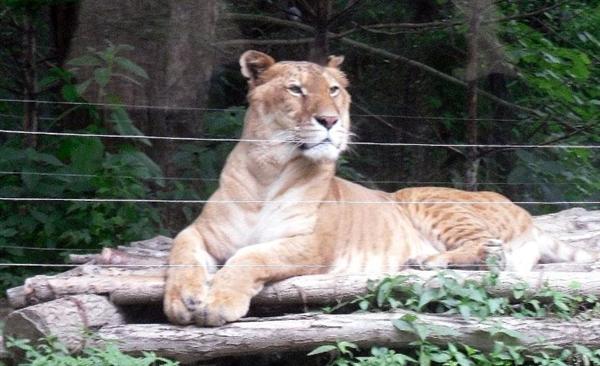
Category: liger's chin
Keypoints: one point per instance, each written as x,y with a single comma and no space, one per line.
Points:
322,153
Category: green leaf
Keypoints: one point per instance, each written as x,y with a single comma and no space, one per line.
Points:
43,158
363,305
8,233
421,330
85,60
82,87
124,125
102,76
131,67
403,325
86,154
48,80
383,293
427,296
440,357
322,349
592,38
69,93
495,305
424,359
345,346
39,216
464,310
551,58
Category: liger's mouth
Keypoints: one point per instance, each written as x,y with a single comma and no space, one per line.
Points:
307,146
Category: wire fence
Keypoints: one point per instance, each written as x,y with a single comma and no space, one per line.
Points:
278,141
228,110
241,202
157,265
309,202
366,181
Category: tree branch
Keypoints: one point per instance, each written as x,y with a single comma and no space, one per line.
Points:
349,8
446,24
439,74
548,142
263,42
384,53
269,42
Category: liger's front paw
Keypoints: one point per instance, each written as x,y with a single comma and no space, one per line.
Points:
183,298
220,307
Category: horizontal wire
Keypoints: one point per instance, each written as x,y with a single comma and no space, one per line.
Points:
230,111
47,249
111,176
112,105
217,179
411,265
206,139
391,202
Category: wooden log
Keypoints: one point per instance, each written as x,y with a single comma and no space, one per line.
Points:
128,287
303,332
320,290
67,319
158,243
576,226
83,279
122,255
16,296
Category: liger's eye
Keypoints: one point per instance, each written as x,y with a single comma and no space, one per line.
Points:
334,90
295,89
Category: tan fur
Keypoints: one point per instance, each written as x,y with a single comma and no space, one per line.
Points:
355,230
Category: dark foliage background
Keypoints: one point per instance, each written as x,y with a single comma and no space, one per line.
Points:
427,71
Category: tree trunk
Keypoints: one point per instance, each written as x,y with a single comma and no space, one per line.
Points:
30,92
304,332
472,167
320,48
173,43
63,23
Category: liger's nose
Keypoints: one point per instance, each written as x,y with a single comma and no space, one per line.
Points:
327,121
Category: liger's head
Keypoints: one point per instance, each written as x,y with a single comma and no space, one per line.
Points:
301,103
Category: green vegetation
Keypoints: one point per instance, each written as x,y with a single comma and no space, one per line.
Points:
446,294
470,298
426,353
77,167
52,353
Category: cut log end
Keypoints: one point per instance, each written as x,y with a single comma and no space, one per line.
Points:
67,319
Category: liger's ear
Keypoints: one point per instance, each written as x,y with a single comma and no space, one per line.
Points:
335,61
254,63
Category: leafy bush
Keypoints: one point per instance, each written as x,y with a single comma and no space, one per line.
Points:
53,353
77,167
469,298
